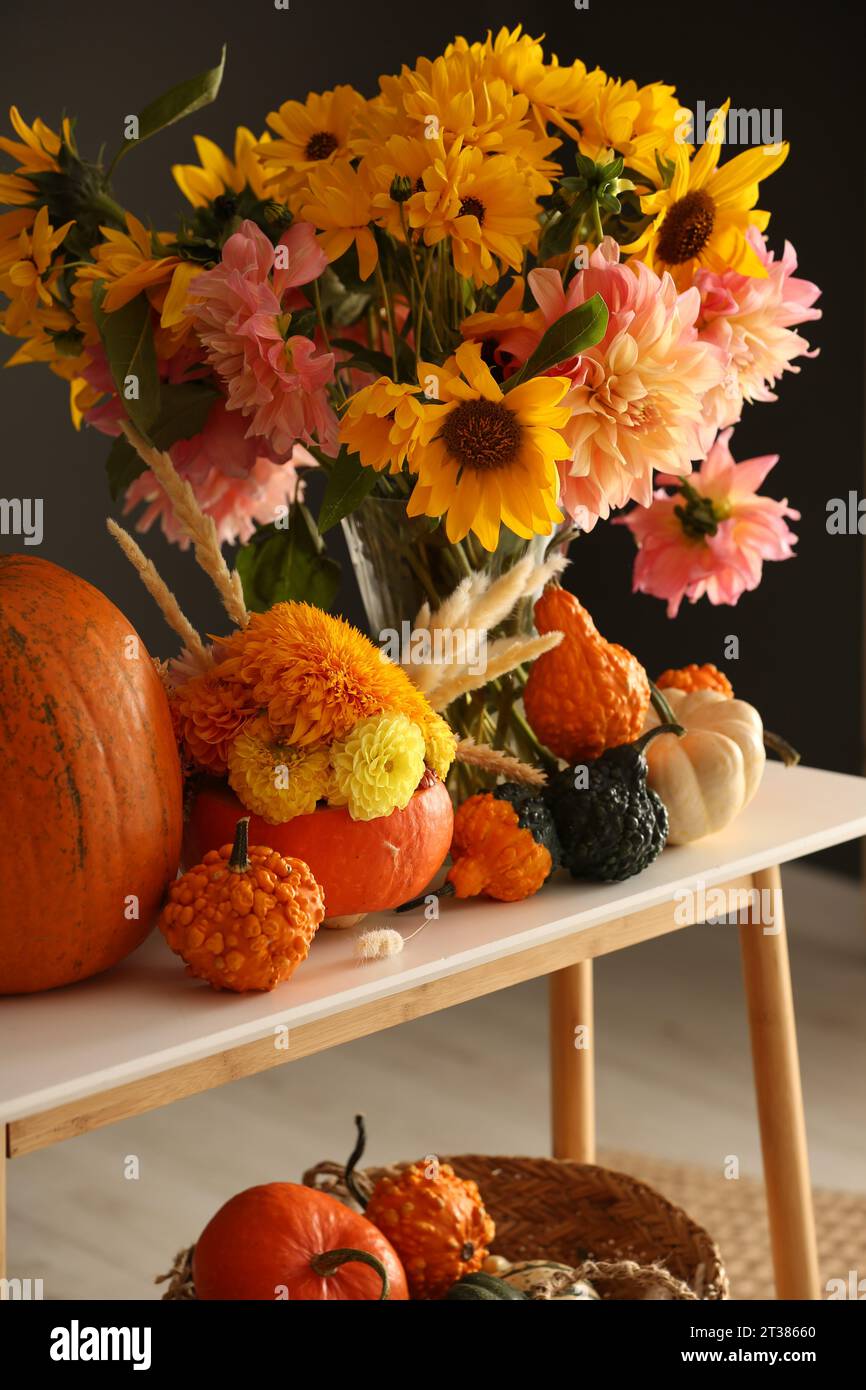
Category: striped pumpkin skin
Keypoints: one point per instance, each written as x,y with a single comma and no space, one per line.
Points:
90,787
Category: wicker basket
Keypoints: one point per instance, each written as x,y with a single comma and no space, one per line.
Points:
621,1234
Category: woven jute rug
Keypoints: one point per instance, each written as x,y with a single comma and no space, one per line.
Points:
734,1212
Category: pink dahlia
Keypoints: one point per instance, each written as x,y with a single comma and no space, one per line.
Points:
636,401
236,478
751,319
713,534
278,383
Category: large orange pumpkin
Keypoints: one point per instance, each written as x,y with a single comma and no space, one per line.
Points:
362,866
90,789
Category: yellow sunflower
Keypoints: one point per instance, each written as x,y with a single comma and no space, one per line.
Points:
635,121
339,204
486,458
307,135
702,218
36,151
126,261
483,205
216,174
381,423
28,280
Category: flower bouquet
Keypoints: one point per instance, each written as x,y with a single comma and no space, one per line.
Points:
493,303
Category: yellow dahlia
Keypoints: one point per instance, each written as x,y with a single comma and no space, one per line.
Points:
339,203
484,457
216,174
440,744
378,766
381,423
272,780
316,674
701,220
483,204
308,135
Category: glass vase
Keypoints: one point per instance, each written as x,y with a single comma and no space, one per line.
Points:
400,563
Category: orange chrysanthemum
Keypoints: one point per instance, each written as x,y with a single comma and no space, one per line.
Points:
316,674
210,712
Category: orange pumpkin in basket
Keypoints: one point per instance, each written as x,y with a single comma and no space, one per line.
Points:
362,866
90,790
587,694
284,1241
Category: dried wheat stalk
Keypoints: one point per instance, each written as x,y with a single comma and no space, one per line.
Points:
491,760
512,652
200,528
194,649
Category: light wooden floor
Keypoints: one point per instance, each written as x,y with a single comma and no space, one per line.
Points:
673,1081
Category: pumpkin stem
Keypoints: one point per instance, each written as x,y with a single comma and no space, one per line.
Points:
780,746
640,743
661,705
329,1261
445,891
240,860
354,1159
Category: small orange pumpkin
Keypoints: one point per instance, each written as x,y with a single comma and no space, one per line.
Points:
284,1241
244,918
694,677
587,694
362,866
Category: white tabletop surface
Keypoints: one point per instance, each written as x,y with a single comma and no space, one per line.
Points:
146,1015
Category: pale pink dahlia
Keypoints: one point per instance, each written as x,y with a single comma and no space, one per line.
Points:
236,478
278,383
636,401
751,320
712,535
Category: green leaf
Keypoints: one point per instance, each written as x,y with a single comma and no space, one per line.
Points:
172,106
184,409
127,336
122,466
284,564
366,358
576,331
348,484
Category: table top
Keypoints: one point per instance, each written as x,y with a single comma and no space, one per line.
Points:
146,1016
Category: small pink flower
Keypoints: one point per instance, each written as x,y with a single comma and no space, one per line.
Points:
711,537
636,398
751,320
236,478
277,383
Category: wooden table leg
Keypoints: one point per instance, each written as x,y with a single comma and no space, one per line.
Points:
3,1161
779,1096
572,1053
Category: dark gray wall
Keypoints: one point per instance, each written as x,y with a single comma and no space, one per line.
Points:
800,633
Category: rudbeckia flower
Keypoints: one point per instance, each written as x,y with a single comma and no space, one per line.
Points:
308,134
484,205
483,457
702,218
216,174
381,423
340,204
